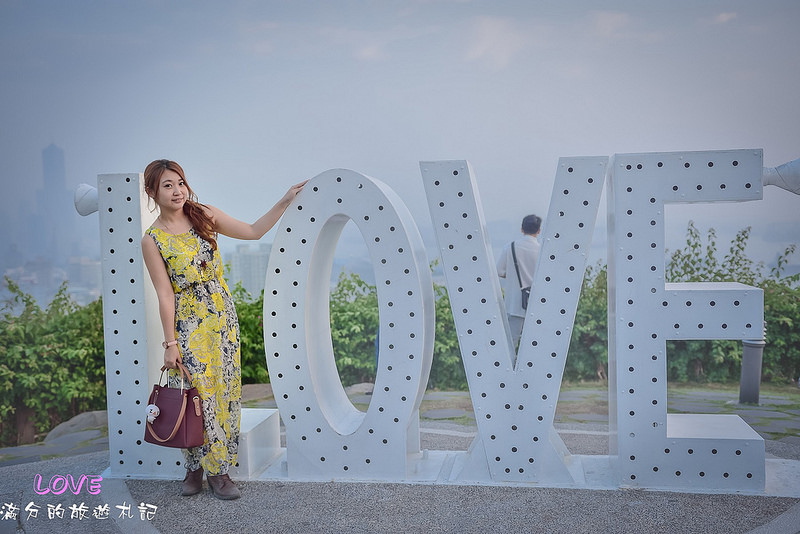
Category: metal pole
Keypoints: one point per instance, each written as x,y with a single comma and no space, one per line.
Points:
750,381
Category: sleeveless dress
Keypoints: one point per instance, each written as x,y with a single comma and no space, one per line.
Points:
207,331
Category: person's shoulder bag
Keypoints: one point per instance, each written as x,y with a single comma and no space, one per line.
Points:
526,291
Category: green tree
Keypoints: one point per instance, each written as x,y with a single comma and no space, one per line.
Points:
700,360
781,360
52,363
354,320
720,360
354,327
447,370
251,335
588,347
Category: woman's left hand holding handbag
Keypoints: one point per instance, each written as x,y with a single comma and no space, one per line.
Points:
177,420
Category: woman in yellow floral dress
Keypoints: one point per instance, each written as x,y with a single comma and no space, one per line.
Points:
197,313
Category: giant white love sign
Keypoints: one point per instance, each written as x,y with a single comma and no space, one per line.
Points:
514,393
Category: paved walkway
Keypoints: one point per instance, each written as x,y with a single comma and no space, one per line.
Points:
447,423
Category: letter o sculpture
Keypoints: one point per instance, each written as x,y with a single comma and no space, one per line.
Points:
326,436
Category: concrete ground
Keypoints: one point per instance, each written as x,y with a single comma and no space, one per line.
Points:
80,446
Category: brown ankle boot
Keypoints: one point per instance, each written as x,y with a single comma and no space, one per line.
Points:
223,487
193,482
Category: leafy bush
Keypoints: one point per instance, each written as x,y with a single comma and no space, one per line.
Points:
781,360
720,360
447,370
588,347
52,360
701,360
354,328
354,323
251,335
52,363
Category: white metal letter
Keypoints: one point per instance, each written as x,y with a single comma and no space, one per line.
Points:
326,436
656,449
515,401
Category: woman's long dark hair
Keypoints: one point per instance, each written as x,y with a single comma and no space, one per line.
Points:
194,210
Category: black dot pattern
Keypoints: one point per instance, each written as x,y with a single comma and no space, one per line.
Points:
123,214
515,395
327,435
660,449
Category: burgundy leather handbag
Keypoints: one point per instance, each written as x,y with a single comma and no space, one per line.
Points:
179,422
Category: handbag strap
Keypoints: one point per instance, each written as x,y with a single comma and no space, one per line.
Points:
177,423
182,412
516,267
183,370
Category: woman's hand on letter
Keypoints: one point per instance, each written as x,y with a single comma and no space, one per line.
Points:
293,191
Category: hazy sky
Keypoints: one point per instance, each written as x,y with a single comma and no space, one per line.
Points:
252,96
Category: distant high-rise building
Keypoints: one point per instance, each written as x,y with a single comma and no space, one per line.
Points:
54,220
54,170
44,246
248,265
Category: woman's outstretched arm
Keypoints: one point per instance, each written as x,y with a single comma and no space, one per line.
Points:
227,225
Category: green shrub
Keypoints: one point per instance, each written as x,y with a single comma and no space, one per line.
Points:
700,360
720,360
354,323
354,327
588,347
447,370
52,363
251,335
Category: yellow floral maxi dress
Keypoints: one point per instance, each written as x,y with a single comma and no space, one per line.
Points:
207,331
